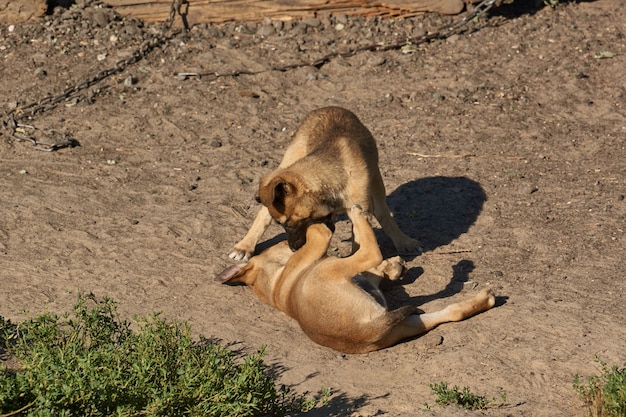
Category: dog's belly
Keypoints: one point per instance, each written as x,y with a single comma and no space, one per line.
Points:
370,289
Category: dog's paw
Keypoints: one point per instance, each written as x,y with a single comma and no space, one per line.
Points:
409,247
356,209
238,254
394,268
488,297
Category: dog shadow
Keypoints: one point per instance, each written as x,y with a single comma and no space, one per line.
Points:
434,210
396,296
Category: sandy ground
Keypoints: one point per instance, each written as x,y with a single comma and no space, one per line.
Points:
502,150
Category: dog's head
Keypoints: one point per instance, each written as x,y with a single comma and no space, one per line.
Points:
293,205
259,273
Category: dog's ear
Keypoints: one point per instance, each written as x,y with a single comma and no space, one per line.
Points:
275,193
231,274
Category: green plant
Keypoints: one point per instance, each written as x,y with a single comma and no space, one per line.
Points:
93,364
463,398
604,395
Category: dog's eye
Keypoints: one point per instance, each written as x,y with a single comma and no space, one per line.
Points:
257,198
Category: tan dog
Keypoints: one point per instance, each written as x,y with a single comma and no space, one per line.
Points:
336,301
331,165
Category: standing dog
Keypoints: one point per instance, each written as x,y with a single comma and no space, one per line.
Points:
331,165
336,301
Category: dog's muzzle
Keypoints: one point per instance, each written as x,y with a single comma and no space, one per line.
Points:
296,235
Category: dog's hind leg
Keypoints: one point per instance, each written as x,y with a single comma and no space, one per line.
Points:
416,324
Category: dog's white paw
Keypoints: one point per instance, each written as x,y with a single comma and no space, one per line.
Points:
240,255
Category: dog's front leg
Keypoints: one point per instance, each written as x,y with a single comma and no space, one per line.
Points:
243,250
318,237
367,254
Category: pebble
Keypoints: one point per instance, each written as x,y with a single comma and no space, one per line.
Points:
341,18
452,39
376,61
438,97
278,25
265,30
40,73
431,340
130,81
311,21
100,18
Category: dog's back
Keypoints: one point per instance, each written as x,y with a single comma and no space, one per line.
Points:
327,131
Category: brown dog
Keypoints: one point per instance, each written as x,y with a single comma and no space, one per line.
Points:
336,301
331,165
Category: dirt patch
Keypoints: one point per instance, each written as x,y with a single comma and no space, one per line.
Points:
502,151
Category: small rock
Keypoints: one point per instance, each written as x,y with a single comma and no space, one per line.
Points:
376,61
339,26
265,31
341,18
432,340
129,81
248,93
470,285
452,39
40,73
100,18
311,21
216,143
130,30
438,97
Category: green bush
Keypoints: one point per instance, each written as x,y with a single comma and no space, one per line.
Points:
463,398
604,395
93,364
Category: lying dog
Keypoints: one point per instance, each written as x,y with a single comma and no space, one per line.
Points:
336,301
331,165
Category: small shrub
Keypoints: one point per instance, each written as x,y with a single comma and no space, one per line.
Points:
93,364
463,398
604,395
